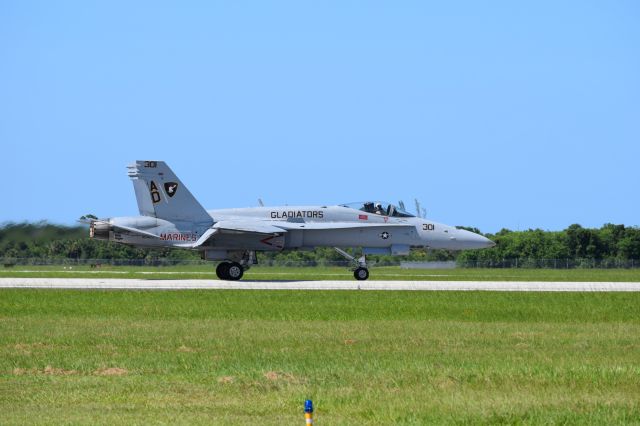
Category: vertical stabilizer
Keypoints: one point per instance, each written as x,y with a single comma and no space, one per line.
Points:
161,194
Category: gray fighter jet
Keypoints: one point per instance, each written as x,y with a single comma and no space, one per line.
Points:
170,216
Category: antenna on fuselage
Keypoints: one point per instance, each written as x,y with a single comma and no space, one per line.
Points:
260,202
420,212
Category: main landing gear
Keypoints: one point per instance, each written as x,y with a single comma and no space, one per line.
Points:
230,271
360,270
234,270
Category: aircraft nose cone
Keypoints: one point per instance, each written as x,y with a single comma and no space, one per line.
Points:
472,240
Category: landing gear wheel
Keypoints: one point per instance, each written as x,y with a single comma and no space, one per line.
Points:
222,270
235,271
361,274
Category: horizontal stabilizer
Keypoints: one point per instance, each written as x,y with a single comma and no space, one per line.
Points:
135,231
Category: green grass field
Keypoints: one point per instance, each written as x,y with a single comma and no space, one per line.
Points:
327,273
253,357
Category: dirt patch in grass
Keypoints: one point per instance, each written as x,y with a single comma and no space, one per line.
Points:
53,371
272,375
112,371
48,370
446,383
186,349
23,349
226,379
279,376
26,348
58,371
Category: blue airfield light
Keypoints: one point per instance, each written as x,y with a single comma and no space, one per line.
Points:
308,412
308,406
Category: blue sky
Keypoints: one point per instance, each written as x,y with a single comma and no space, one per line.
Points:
493,114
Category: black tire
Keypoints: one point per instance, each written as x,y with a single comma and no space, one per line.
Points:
361,274
222,270
235,271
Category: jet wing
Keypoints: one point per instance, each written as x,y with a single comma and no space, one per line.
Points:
237,227
281,227
248,226
278,227
338,225
203,238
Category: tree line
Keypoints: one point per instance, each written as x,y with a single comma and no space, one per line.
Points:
43,240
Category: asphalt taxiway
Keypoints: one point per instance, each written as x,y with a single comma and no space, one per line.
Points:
142,284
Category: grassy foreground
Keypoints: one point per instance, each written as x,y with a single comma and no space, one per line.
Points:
252,357
259,273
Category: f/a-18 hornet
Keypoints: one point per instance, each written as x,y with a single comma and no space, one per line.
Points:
170,216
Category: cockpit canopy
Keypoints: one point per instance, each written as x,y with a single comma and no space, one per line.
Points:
379,207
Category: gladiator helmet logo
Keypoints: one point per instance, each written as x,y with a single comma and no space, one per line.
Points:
170,188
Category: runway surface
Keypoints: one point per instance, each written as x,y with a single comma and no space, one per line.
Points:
140,284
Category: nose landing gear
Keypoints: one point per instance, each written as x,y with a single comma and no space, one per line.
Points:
361,274
360,270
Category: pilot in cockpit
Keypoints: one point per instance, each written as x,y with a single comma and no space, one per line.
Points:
368,207
379,209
